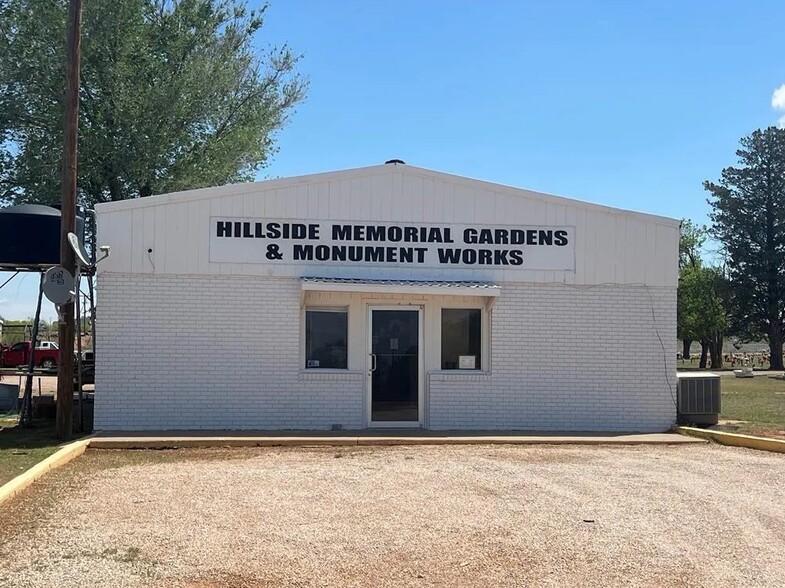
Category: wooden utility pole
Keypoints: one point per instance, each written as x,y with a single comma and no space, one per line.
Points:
65,375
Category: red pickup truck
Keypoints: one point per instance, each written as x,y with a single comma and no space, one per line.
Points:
19,355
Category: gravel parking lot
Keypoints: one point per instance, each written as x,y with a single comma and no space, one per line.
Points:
403,516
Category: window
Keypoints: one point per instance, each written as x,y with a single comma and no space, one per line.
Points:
325,338
461,338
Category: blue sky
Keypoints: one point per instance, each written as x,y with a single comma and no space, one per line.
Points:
625,103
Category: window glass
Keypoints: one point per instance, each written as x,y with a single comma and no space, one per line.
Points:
461,338
325,338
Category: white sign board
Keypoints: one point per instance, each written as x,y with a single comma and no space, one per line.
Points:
413,245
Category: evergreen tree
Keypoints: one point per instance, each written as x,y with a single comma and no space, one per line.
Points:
749,220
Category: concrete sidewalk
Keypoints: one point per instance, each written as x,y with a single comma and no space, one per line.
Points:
178,439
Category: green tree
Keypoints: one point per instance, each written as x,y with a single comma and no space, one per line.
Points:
701,312
17,330
749,220
691,239
174,95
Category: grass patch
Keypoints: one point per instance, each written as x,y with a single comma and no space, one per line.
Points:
760,401
22,448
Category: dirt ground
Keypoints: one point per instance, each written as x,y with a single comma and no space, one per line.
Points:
44,384
469,516
41,384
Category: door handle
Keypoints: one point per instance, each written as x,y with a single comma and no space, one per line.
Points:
373,362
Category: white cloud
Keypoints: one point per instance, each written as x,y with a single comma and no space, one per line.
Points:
778,98
778,103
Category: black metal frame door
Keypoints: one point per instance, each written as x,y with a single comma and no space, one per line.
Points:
395,365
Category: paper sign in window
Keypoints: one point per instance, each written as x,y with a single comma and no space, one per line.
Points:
467,362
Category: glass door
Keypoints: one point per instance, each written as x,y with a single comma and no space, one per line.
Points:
395,366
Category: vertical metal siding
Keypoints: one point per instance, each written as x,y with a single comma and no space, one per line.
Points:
611,247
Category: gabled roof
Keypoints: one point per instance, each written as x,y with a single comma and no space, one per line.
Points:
374,170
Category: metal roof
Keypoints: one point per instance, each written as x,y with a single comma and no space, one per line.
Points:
460,288
371,171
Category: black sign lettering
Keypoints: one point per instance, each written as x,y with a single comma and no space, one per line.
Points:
346,243
273,230
500,257
303,252
224,229
449,255
374,253
322,253
273,252
375,233
342,232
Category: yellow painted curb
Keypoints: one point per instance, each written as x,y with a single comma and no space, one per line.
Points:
61,457
735,439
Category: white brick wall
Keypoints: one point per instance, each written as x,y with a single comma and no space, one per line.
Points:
210,353
224,353
569,358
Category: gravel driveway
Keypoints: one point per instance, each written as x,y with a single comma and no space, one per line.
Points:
464,516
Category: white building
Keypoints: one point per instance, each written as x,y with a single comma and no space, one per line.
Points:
384,296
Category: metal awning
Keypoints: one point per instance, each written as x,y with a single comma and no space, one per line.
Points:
436,287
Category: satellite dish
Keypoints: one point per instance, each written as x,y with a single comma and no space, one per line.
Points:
73,240
58,285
